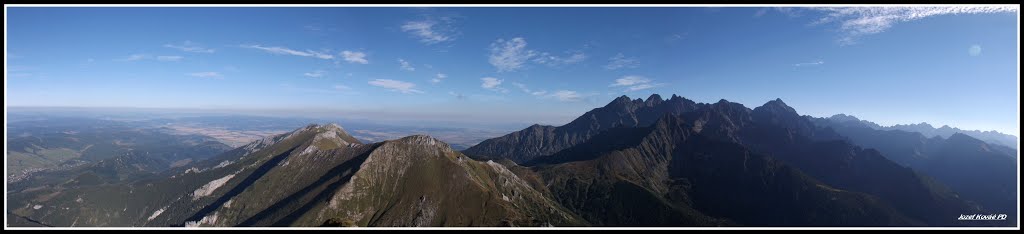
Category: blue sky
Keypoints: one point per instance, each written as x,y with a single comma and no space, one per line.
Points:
945,65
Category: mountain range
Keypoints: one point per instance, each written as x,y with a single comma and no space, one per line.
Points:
632,162
991,137
977,170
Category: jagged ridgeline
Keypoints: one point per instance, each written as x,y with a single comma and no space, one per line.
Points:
862,186
633,162
313,176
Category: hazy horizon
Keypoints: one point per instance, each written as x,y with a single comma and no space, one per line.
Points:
385,117
953,66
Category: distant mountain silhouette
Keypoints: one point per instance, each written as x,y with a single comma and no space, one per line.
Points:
991,137
980,172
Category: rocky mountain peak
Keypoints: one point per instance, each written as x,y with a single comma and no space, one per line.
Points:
654,99
334,127
725,105
423,140
622,99
776,106
921,125
844,118
333,130
964,138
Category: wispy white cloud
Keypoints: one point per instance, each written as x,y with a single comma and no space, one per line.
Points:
524,89
395,85
312,28
189,46
974,50
815,63
510,55
640,87
23,71
315,74
675,37
21,74
162,58
560,95
634,83
286,51
566,95
527,90
551,60
521,87
457,95
330,89
342,87
405,65
135,57
354,57
318,28
856,22
169,58
438,78
212,75
620,61
431,31
492,83
760,12
630,80
791,12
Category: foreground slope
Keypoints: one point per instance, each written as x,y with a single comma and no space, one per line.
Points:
317,175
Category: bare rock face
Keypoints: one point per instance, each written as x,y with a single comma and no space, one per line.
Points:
539,140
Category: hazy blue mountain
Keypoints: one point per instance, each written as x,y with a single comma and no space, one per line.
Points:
980,172
992,137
